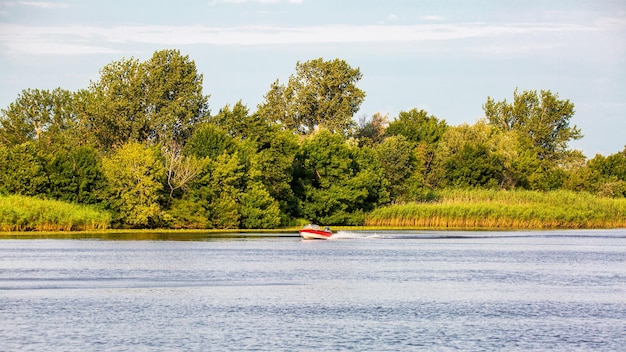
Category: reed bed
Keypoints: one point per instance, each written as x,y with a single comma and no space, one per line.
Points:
506,209
19,213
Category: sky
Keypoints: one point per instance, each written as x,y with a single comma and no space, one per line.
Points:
445,57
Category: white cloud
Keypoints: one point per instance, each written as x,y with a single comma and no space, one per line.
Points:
93,39
431,18
45,4
258,1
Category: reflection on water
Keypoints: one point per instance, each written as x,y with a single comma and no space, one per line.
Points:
367,291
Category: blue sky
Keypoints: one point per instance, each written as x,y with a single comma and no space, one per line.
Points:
445,57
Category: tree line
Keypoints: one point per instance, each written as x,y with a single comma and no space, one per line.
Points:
141,143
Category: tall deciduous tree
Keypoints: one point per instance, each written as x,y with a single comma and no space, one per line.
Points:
542,119
320,93
174,102
157,100
113,107
38,115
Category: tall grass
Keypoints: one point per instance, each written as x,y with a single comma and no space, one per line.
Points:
506,209
19,213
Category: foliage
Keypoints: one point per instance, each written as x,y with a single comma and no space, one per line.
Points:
209,141
238,123
426,131
606,175
417,126
23,170
372,132
274,158
399,164
157,100
140,142
134,173
334,183
321,93
258,209
464,158
76,176
37,115
542,118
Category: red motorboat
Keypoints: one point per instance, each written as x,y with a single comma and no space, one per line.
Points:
314,232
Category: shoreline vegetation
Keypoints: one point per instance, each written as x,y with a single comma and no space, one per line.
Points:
139,148
453,210
21,213
500,209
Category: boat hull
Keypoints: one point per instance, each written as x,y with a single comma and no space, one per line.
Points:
311,234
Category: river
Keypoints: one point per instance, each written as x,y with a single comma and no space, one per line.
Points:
360,291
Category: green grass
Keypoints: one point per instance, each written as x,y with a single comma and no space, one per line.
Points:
19,213
506,209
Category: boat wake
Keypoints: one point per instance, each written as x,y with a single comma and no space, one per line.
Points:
440,235
350,235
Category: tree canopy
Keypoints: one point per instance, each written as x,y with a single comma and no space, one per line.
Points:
157,100
320,93
141,143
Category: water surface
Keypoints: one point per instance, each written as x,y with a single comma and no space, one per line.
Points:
361,291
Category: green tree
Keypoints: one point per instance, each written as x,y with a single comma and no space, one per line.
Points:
334,182
275,153
417,126
174,102
113,108
134,174
23,170
239,123
76,175
426,132
542,119
466,157
258,209
613,165
372,132
609,174
321,93
209,141
265,151
157,100
227,181
38,115
472,166
399,164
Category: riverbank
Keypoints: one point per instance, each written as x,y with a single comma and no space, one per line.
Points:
452,209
